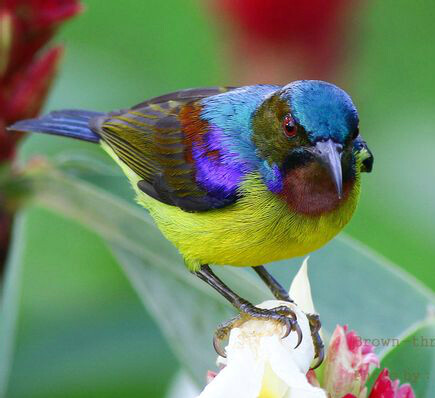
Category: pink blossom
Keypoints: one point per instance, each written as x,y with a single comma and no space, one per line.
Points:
347,364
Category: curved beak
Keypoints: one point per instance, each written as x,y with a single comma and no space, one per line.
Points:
329,154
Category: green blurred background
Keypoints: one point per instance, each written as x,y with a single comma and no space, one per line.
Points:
120,53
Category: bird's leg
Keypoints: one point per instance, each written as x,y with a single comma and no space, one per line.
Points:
281,294
275,287
281,314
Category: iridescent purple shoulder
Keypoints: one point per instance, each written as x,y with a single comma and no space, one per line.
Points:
218,135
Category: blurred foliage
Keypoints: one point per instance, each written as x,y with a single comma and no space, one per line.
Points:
82,331
186,310
393,87
417,343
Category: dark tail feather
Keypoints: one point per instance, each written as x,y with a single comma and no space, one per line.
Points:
68,123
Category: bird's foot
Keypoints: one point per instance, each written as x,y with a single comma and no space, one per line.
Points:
319,348
282,315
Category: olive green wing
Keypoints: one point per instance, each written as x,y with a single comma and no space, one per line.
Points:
155,140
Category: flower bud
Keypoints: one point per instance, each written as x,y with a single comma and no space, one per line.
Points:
347,364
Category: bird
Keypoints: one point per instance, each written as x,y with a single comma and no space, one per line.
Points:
238,176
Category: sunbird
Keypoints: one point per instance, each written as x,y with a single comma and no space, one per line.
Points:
238,176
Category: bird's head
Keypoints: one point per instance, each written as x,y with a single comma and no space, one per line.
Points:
311,122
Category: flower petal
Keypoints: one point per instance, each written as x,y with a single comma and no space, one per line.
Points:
260,363
284,364
300,289
384,387
272,386
243,374
405,391
32,86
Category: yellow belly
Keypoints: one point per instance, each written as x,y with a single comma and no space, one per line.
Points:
258,229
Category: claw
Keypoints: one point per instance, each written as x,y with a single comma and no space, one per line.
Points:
289,327
291,323
320,358
299,332
319,348
217,346
222,332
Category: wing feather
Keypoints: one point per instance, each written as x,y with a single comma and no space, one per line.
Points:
155,141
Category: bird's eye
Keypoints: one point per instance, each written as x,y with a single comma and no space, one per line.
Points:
289,127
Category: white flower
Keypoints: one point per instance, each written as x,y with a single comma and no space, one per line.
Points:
260,364
300,289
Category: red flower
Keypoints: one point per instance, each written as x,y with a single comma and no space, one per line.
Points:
384,387
25,74
33,24
286,22
277,41
347,366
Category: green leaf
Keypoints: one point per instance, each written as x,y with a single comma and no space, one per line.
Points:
10,304
411,359
82,331
186,315
353,285
186,309
350,284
